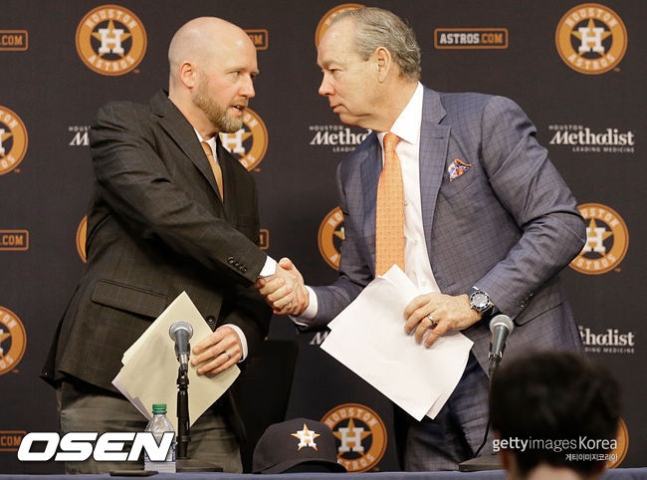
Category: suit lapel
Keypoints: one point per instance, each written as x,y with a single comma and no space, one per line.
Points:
183,134
434,141
370,172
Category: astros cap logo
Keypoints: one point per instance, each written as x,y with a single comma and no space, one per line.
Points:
13,340
607,240
324,23
591,38
249,144
111,40
13,140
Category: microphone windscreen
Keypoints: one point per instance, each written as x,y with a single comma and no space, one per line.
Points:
180,325
502,320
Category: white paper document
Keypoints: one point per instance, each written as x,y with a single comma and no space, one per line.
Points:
150,367
368,337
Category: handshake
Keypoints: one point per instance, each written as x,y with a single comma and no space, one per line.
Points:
284,291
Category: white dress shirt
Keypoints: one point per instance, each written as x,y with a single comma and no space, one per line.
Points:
416,258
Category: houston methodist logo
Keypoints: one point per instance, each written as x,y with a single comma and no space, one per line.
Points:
591,38
13,140
360,433
324,23
607,240
111,40
249,144
330,236
13,340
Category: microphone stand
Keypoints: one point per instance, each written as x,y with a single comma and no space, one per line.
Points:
494,364
491,461
183,462
184,430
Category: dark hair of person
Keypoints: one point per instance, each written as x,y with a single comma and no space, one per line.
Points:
557,400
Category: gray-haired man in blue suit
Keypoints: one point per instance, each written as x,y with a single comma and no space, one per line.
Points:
489,221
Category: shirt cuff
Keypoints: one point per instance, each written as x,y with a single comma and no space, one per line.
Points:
269,268
309,313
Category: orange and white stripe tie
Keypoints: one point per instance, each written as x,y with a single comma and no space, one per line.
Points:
215,167
389,216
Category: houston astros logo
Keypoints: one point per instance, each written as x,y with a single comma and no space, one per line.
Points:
81,236
13,140
13,340
331,234
111,40
324,23
248,144
360,433
607,240
619,453
591,38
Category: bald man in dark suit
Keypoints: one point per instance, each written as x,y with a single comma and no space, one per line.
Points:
166,218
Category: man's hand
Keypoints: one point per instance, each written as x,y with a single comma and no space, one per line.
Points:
217,352
285,291
448,313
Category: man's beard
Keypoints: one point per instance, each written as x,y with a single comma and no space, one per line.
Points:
217,114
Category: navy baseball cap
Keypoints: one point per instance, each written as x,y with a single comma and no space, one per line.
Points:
298,445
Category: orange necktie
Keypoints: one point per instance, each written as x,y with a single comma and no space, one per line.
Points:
217,172
389,216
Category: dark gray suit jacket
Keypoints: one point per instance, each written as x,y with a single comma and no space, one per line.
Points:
157,227
508,225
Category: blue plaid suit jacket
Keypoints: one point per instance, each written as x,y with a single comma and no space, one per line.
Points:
509,224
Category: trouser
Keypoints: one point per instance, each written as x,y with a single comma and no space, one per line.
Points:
456,433
86,408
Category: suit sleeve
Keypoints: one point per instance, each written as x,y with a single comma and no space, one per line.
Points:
531,189
143,191
354,272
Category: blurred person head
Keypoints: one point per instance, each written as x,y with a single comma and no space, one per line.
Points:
563,406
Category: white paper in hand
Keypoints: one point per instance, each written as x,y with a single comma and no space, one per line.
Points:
368,337
150,370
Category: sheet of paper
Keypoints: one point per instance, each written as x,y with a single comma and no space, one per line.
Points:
150,370
368,337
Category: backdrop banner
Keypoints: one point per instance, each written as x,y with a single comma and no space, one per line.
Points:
576,68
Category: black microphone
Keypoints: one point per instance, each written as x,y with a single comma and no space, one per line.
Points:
501,326
181,332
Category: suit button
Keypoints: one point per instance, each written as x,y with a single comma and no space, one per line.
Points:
244,269
230,260
211,320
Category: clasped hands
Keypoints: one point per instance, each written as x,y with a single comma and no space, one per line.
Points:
427,317
285,291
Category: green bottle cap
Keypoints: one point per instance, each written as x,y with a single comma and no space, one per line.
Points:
159,408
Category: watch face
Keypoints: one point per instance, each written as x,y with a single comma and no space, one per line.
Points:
480,301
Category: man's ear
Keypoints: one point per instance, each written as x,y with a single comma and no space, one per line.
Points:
188,74
384,63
